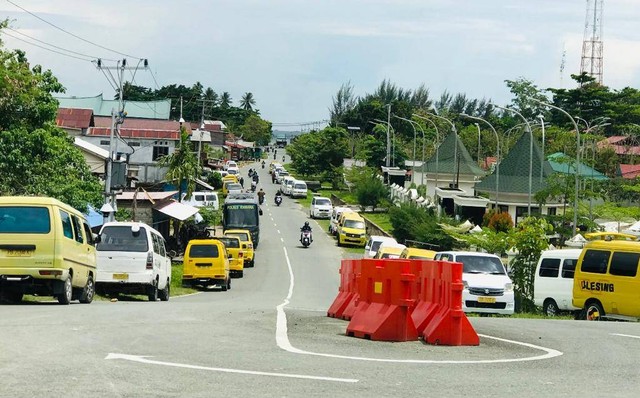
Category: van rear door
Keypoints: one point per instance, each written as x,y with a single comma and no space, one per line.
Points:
27,237
124,255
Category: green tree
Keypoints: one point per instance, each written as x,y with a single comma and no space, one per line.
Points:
225,100
411,222
182,166
320,154
247,102
370,191
343,102
523,91
256,130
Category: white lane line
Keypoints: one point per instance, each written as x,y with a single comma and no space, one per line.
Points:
282,340
143,359
186,295
281,238
625,335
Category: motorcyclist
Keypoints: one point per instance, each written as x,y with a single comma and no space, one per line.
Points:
263,164
282,158
261,196
253,186
306,228
277,198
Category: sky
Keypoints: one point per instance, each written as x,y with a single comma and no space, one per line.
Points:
294,55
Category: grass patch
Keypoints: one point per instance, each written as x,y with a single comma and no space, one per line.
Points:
382,220
176,281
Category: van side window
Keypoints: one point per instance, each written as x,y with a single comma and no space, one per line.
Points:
163,249
549,267
88,233
67,228
569,268
156,243
595,261
77,230
624,264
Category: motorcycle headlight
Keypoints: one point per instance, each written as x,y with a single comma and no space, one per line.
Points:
508,287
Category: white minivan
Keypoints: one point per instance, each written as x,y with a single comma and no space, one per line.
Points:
553,281
298,189
487,287
132,258
202,199
374,242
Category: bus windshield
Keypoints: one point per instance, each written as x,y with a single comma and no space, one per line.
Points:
240,215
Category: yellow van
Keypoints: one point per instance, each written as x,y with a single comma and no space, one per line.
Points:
46,248
606,282
352,230
206,263
246,244
391,251
414,253
234,248
231,178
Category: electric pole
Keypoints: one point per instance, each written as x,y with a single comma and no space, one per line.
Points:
117,118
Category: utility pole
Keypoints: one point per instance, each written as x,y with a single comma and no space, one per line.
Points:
388,160
117,118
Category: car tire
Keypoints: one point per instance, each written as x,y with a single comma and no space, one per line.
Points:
229,283
166,292
550,308
65,297
224,286
89,291
152,292
593,311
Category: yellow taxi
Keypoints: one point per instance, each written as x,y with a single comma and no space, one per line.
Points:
236,261
206,263
246,244
606,282
352,230
390,251
415,253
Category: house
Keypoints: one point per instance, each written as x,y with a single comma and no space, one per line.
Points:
628,171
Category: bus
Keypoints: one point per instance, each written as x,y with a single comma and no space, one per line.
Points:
281,140
242,211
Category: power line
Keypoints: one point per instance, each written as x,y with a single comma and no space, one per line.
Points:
54,46
44,48
69,33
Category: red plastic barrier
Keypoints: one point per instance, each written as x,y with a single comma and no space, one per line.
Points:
428,300
383,309
346,291
449,325
354,281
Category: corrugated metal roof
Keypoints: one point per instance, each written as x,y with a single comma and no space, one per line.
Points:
128,195
102,107
447,159
629,171
561,163
74,118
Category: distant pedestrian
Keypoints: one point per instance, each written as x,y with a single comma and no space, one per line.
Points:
241,182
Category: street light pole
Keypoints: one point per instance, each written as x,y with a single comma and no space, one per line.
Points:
478,126
577,164
497,151
541,117
435,126
414,144
530,153
455,150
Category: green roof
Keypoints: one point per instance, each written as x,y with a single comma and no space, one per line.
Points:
136,109
447,161
561,163
514,170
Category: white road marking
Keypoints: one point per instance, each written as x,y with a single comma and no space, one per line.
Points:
186,295
282,340
143,359
625,335
281,239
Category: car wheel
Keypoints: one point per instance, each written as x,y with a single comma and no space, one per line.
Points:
165,293
224,286
152,292
593,311
88,292
229,283
550,308
67,292
240,274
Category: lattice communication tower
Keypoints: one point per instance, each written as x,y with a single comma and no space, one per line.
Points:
591,62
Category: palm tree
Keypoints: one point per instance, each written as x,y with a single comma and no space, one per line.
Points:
225,100
182,165
247,102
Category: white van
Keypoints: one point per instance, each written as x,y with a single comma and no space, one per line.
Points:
202,199
487,288
298,189
283,184
374,242
553,282
132,258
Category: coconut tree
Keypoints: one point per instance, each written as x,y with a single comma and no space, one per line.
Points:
247,102
225,100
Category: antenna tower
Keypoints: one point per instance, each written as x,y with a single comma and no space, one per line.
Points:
591,62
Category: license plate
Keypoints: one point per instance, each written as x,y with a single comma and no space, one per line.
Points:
19,253
486,299
121,277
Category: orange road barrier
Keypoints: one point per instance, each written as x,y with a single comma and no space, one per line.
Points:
346,292
382,312
439,314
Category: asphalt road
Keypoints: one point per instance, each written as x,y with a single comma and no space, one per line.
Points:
269,336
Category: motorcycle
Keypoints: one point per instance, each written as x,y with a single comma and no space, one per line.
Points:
253,186
263,165
278,200
305,239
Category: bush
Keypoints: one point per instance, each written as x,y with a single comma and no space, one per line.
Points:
215,180
413,223
500,222
370,191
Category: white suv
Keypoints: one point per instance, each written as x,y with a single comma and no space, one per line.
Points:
132,258
487,288
321,207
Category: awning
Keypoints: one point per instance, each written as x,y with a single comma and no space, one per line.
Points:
470,201
204,185
449,193
177,210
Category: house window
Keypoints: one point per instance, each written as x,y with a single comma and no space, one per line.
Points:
160,151
133,143
551,211
105,142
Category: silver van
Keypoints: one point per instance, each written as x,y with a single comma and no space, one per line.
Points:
132,258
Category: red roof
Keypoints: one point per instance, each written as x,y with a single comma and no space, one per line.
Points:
617,142
74,118
140,128
137,133
629,171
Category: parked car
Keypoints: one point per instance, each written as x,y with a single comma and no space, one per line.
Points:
132,258
298,189
487,287
335,216
246,244
352,230
46,248
202,199
390,250
230,163
374,242
236,259
280,175
206,263
321,207
284,182
553,281
415,253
